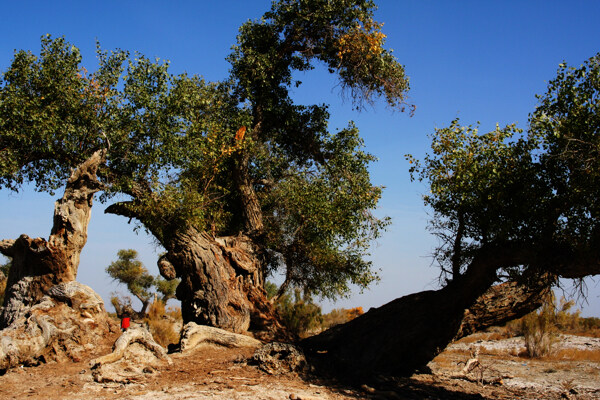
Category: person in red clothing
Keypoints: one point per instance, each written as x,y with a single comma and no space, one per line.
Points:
125,320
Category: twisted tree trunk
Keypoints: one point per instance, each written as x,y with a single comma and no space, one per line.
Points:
221,283
401,337
39,264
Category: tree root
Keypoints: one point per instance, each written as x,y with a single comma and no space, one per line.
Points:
135,334
56,328
194,336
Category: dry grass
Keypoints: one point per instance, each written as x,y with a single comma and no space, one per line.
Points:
493,335
160,322
573,355
594,332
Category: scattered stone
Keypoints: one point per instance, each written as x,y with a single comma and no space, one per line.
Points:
280,358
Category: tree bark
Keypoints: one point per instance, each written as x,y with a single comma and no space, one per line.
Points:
401,337
221,283
505,302
251,210
39,264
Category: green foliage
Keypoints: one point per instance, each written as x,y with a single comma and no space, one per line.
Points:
191,153
341,34
299,313
483,188
166,288
535,191
302,316
53,115
129,271
567,125
319,218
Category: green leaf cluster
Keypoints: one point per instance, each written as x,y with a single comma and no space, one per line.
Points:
53,115
538,190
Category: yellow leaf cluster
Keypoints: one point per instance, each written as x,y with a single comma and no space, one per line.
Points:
364,40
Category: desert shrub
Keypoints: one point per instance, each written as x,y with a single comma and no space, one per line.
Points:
302,316
4,269
161,325
335,317
340,316
2,290
299,313
540,329
561,317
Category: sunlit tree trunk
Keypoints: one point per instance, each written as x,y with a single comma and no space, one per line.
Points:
221,283
38,264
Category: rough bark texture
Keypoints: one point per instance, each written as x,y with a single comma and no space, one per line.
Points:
503,303
221,283
401,337
39,264
251,210
61,326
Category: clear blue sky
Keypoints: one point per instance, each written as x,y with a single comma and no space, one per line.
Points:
477,60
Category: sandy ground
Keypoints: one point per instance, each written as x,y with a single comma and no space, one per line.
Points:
223,374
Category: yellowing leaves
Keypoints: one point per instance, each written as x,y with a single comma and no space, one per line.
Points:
239,135
362,41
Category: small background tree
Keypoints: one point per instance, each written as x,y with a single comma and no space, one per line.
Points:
131,272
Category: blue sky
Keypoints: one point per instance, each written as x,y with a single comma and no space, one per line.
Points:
477,60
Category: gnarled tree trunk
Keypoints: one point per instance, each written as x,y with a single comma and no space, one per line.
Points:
39,264
401,337
221,283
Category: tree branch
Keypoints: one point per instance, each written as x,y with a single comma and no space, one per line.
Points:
6,247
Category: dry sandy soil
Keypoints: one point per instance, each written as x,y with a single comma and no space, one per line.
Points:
223,374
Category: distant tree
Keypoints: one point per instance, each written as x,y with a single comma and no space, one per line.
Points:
299,313
166,288
130,271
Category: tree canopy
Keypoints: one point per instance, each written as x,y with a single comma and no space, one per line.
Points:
222,157
53,114
256,162
530,197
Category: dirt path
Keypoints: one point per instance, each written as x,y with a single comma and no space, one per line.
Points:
222,374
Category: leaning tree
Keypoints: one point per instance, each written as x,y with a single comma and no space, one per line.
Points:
236,181
507,207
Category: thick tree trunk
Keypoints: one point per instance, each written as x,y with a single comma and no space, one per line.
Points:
221,283
401,337
37,264
505,302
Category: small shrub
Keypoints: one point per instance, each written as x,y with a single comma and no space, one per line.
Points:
161,325
2,290
300,315
539,330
